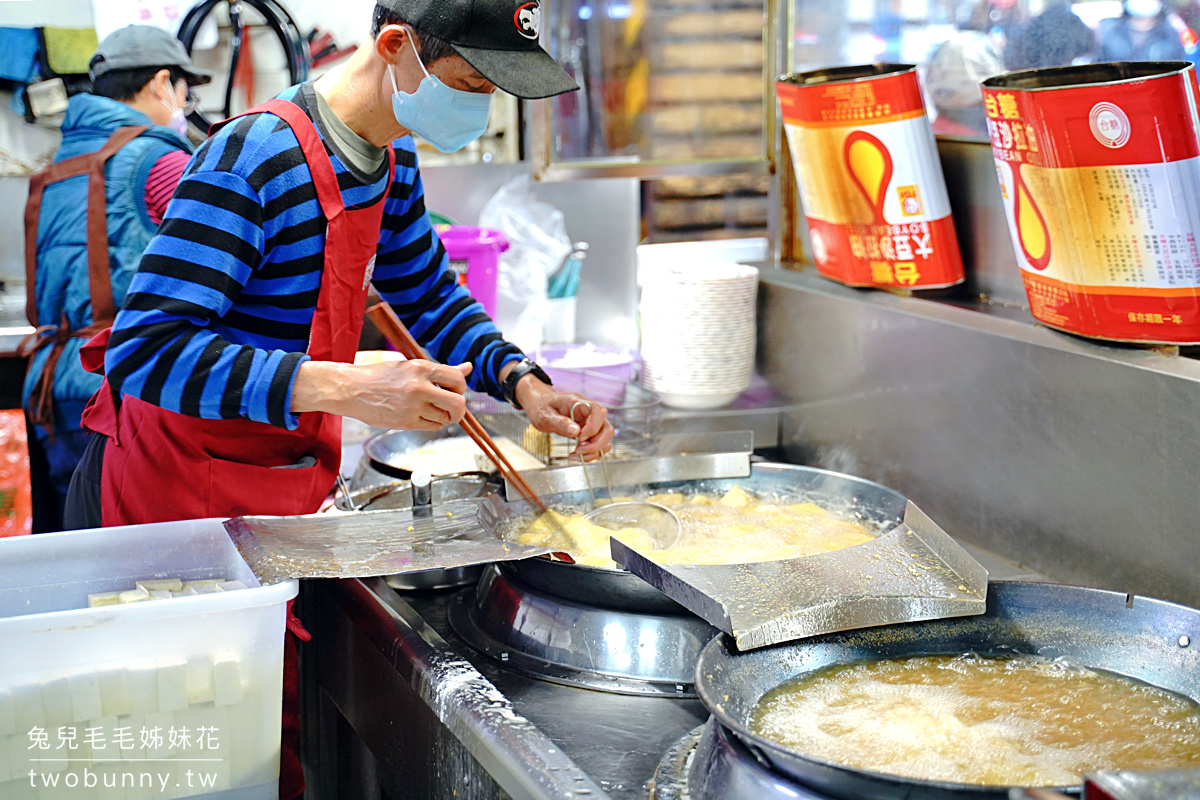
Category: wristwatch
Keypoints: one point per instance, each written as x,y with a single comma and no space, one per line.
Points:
523,368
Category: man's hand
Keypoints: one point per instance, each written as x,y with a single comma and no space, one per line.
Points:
550,412
413,395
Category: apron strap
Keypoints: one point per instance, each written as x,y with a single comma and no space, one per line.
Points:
99,278
92,165
329,194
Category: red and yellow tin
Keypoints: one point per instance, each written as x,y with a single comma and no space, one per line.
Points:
869,175
1099,169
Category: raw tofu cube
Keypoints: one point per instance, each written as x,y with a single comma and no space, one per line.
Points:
200,681
85,697
159,726
206,589
133,596
18,789
173,687
217,742
188,592
98,734
160,594
27,708
50,765
201,584
56,790
19,756
143,691
230,586
114,693
103,599
227,680
168,585
128,737
8,719
6,773
56,705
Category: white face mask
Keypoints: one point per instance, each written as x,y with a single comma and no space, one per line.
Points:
178,122
1143,8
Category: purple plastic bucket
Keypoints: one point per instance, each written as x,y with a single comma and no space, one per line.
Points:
475,257
599,372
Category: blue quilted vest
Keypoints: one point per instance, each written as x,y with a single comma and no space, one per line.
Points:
62,268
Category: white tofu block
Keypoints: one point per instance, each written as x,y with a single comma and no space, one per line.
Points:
160,594
163,721
143,691
173,687
114,693
56,791
81,756
85,697
218,744
200,680
27,708
56,705
50,766
130,747
104,775
8,719
6,770
103,749
19,756
188,592
206,589
19,789
227,682
231,586
103,599
202,584
133,596
166,585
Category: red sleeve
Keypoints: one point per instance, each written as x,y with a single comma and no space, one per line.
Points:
164,177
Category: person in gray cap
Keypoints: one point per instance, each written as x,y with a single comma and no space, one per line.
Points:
126,143
230,366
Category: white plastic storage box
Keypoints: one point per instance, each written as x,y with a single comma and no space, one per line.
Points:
171,698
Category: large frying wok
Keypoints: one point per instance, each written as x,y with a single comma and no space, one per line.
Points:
1151,640
618,589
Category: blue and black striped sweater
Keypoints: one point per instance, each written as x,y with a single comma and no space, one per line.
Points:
217,318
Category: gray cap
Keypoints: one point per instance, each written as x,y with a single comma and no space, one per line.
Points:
141,46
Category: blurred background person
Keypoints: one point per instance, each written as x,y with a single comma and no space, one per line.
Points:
1056,37
1142,33
954,73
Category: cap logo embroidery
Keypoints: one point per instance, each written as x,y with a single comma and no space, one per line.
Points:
528,19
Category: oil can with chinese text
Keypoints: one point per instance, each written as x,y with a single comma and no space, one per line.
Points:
867,166
1099,170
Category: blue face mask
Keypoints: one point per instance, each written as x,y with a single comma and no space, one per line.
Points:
449,119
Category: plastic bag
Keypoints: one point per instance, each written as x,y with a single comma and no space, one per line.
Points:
16,502
538,243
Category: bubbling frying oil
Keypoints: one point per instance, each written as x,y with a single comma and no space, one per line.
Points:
995,721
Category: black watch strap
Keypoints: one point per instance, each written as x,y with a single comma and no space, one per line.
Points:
523,368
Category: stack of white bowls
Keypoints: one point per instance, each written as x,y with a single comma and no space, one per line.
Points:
698,332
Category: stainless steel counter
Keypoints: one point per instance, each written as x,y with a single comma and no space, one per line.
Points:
394,700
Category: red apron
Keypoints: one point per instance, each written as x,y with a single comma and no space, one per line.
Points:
161,466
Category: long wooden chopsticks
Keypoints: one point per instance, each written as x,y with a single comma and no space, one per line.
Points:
385,319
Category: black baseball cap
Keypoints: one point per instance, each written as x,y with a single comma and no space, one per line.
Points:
499,38
140,46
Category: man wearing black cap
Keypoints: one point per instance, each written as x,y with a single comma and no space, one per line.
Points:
130,134
230,366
